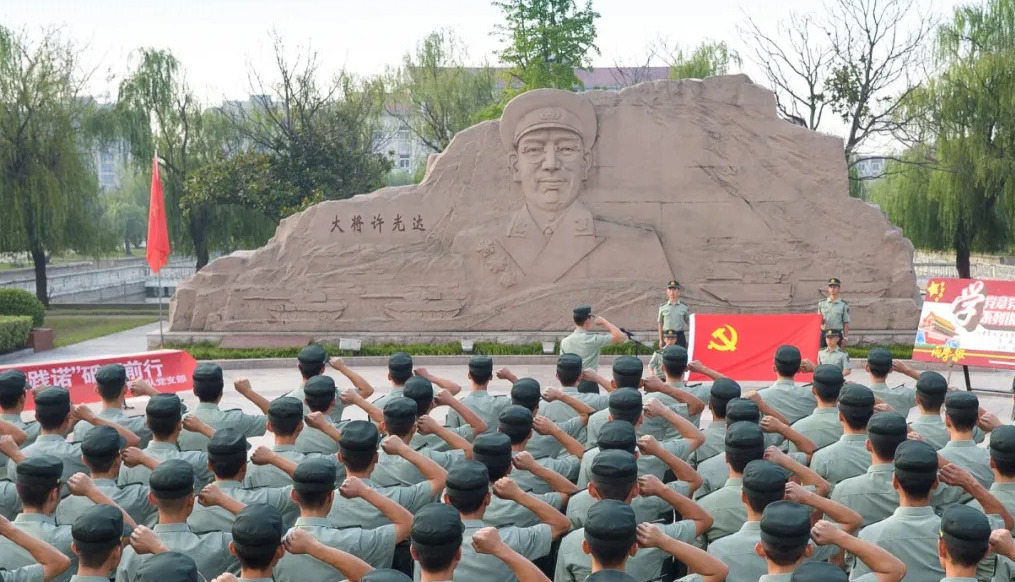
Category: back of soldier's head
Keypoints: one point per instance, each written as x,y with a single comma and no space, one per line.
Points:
744,442
785,532
436,537
886,431
879,361
787,361
614,474
962,410
764,483
610,532
722,392
916,466
1002,450
965,532
399,415
627,372
38,480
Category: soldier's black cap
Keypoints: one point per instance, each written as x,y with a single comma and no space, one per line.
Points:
569,363
856,397
610,576
582,311
725,389
672,284
1002,443
259,526
492,449
669,333
164,406
320,388
54,399
818,572
169,567
480,364
744,436
526,392
931,384
468,476
315,474
828,376
437,525
625,402
172,479
515,420
676,355
13,383
834,282
915,458
614,466
40,470
102,442
312,354
98,528
789,355
359,435
401,408
618,434
611,521
962,400
763,476
742,410
111,375
208,375
285,407
400,362
627,371
965,527
887,427
385,575
419,389
227,442
786,523
879,357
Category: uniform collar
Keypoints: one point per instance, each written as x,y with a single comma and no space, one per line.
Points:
958,579
853,438
283,448
111,413
1002,486
878,385
775,577
576,221
314,522
903,511
76,578
569,389
474,523
929,419
734,482
229,484
207,406
678,384
826,411
717,425
34,518
15,418
104,482
885,468
784,382
751,526
171,527
960,444
161,446
51,437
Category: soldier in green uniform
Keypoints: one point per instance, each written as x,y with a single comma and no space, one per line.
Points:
399,371
545,442
675,364
319,396
586,344
478,399
312,362
13,392
834,311
792,401
847,457
436,541
516,422
257,542
655,363
961,413
172,491
46,561
111,386
673,314
165,418
833,354
879,365
931,388
285,422
822,427
100,451
420,390
208,385
97,534
871,493
314,491
965,541
400,421
38,480
720,394
1002,462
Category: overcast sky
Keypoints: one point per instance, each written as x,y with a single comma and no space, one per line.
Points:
218,41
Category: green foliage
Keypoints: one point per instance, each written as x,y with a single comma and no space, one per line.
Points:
708,59
545,40
904,194
14,332
71,329
126,209
899,351
21,302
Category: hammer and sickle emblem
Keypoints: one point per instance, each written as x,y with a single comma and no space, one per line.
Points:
724,339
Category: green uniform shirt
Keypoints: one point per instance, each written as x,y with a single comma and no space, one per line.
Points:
822,427
336,412
215,518
792,401
1005,571
270,475
714,472
43,527
132,498
56,445
164,451
843,459
870,494
655,363
646,509
31,573
32,429
396,392
358,512
726,508
374,546
737,551
311,440
838,358
901,398
585,345
715,443
834,314
970,457
485,405
567,466
531,542
210,552
544,445
436,443
251,425
675,316
1005,493
135,424
502,512
392,470
10,504
911,535
574,565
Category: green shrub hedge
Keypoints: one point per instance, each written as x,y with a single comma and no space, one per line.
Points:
14,330
21,302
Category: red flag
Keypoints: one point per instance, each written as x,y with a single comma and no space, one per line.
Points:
158,234
742,347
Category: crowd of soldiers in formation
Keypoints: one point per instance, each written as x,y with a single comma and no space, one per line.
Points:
792,483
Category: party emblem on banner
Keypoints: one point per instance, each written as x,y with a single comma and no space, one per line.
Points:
724,339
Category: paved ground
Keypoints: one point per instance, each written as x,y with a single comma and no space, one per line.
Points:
125,342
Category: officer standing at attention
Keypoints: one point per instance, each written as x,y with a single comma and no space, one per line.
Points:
833,354
587,344
834,311
673,314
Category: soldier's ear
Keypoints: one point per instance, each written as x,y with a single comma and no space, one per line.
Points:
758,549
633,550
585,547
513,166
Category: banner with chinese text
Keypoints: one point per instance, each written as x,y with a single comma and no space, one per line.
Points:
165,370
969,322
742,347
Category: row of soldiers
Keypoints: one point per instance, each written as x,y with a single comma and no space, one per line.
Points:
803,483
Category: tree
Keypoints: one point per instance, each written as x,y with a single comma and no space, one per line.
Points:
126,209
546,40
48,188
708,59
434,95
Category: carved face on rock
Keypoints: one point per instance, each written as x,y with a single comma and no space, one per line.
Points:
551,163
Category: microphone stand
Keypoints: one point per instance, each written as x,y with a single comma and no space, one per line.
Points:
637,344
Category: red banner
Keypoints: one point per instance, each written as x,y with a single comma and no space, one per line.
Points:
742,347
165,370
969,322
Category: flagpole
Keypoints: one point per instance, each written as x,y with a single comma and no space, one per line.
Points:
162,340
